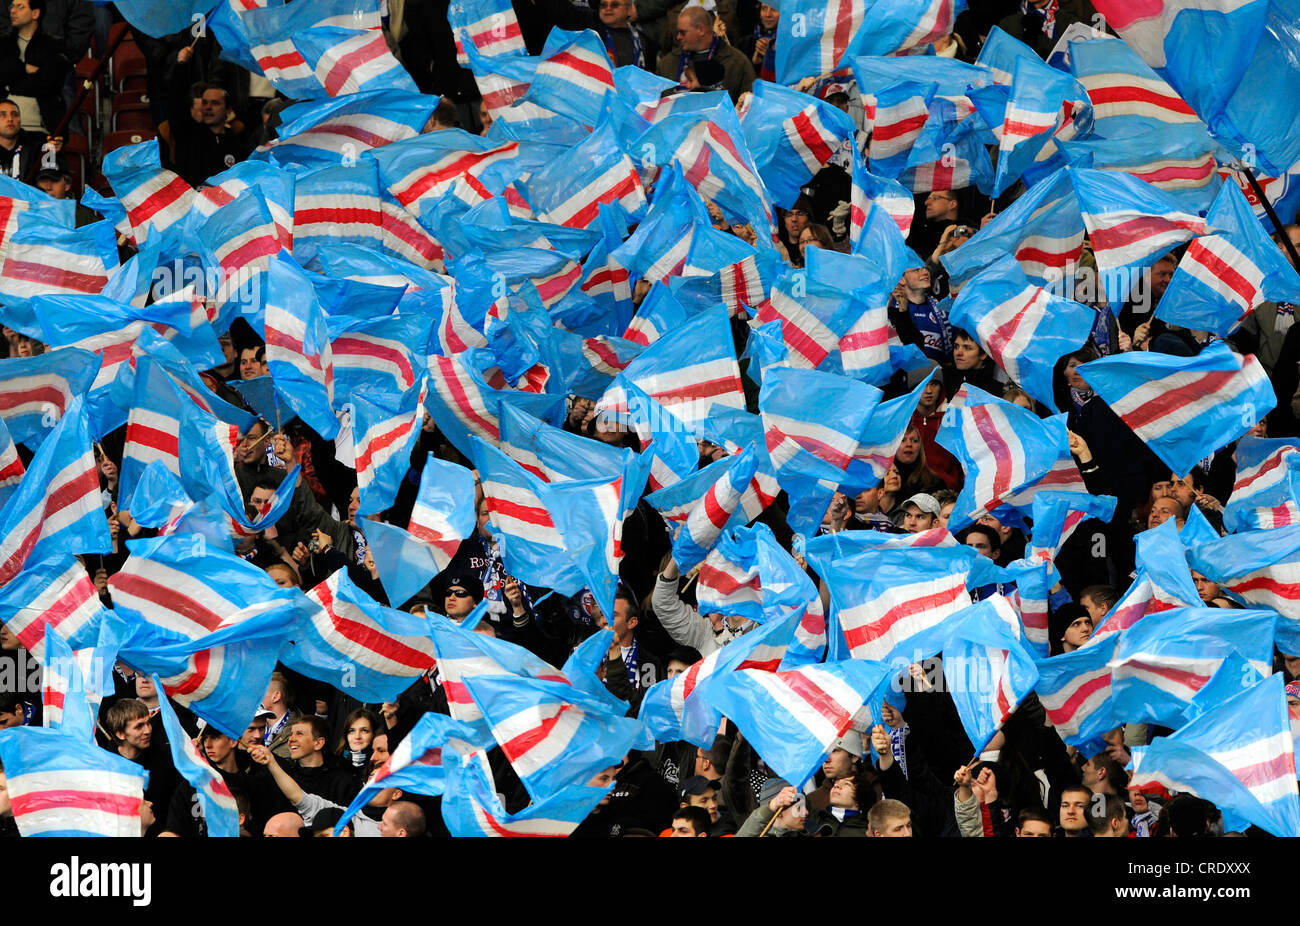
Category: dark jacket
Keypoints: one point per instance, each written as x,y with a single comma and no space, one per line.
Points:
45,85
21,162
825,823
1029,28
70,23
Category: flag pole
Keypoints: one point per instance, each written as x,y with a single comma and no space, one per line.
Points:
1277,223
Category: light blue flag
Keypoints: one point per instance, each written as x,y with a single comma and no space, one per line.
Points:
1184,408
220,812
298,352
1075,691
472,806
61,785
64,694
159,502
1037,94
791,136
1239,755
792,718
987,666
158,18
41,388
1166,658
1257,567
1268,478
1022,326
554,735
1224,276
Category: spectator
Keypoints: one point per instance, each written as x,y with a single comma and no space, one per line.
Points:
20,150
690,822
210,147
699,42
626,42
33,68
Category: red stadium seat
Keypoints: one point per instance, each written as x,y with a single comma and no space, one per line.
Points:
115,140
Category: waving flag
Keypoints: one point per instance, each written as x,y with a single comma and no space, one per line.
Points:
298,351
1239,754
1265,493
57,508
336,204
696,520
1022,326
987,667
573,76
357,645
1165,659
215,800
893,602
815,38
871,192
61,785
1225,276
56,594
239,239
419,170
832,433
64,704
472,806
792,718
896,114
949,154
11,467
571,191
443,514
1075,690
347,61
1043,229
1124,91
553,735
1004,449
1221,57
320,134
1261,568
1043,102
690,372
729,579
671,709
1131,224
880,439
43,257
791,137
1184,408
270,34
210,624
36,392
384,428
154,198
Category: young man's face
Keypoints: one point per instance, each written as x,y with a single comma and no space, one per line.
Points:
1161,511
980,543
214,107
15,719
896,827
708,800
55,187
1035,828
839,764
915,520
1095,608
1074,809
10,121
255,735
1078,632
138,733
459,602
843,794
301,742
966,354
218,747
683,827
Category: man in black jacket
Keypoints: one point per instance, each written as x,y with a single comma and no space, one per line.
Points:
20,151
32,67
208,147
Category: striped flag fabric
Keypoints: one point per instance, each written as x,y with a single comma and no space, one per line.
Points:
61,785
404,564
1043,102
1044,229
988,668
573,75
337,204
1184,408
420,170
814,311
871,192
156,200
670,708
553,735
276,187
375,354
894,602
443,514
298,351
57,508
1022,326
384,428
1163,582
43,257
220,813
269,33
881,437
1131,225
1124,90
473,807
1239,754
36,392
346,61
1265,492
64,696
152,425
1164,660
906,27
689,372
325,133
55,593
791,137
1262,568
570,191
11,467
491,26
1004,449
240,239
354,643
791,718
462,654
503,80
897,114
1224,277
1075,691
815,38
699,507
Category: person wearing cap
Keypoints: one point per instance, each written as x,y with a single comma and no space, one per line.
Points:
702,792
781,806
920,513
1070,627
841,762
241,775
462,592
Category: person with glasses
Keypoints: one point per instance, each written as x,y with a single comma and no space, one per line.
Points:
461,593
626,42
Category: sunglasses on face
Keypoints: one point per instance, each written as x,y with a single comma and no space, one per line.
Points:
457,593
